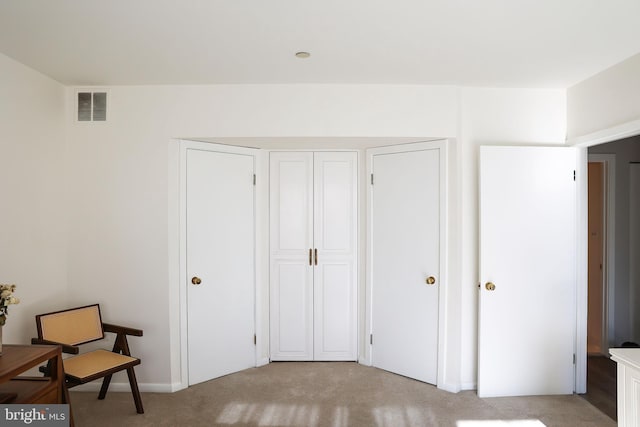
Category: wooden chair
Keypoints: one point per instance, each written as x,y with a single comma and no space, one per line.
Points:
81,325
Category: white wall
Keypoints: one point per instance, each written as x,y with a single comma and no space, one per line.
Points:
495,117
33,241
124,189
606,100
122,203
126,222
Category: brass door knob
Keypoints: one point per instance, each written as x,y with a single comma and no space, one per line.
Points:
431,280
490,286
196,280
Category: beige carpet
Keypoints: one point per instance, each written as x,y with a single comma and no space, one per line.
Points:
335,394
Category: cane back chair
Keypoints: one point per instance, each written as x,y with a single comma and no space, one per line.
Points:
74,327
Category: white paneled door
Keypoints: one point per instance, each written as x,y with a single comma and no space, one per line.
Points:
313,223
406,226
335,255
527,313
220,262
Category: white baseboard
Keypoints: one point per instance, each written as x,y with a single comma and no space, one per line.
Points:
262,362
450,387
177,386
468,386
364,361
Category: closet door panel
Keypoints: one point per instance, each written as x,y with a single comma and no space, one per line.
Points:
292,203
334,203
293,304
291,293
335,227
335,311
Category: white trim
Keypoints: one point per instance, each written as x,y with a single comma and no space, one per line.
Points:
261,207
609,163
581,286
614,133
366,358
634,207
361,242
442,145
443,324
603,136
205,146
468,386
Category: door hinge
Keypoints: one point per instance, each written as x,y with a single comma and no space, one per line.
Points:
574,175
254,179
574,358
371,339
255,339
371,179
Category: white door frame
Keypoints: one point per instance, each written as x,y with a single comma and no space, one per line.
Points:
609,249
611,134
444,285
184,146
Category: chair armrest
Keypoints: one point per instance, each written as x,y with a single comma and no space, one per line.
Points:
66,348
108,327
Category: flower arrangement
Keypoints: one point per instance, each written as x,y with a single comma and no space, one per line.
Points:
6,299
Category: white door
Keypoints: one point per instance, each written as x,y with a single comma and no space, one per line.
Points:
291,241
405,263
335,240
220,263
527,315
313,222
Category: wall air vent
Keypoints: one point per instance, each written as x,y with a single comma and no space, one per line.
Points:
92,106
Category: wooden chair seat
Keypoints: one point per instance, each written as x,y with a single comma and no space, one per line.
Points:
81,325
96,364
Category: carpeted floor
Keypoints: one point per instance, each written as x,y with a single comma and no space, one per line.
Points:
335,394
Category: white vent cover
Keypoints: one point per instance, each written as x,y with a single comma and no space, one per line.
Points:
92,106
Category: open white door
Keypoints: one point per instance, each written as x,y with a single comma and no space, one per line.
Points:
220,262
406,252
527,314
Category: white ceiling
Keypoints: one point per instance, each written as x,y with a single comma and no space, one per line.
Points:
497,43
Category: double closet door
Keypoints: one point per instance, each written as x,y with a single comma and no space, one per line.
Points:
313,255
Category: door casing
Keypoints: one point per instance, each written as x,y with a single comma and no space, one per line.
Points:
609,163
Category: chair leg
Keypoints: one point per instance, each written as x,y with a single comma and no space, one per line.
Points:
134,390
105,386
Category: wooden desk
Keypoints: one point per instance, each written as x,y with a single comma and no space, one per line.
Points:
16,359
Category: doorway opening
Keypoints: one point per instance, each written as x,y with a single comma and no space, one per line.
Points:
601,371
597,283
